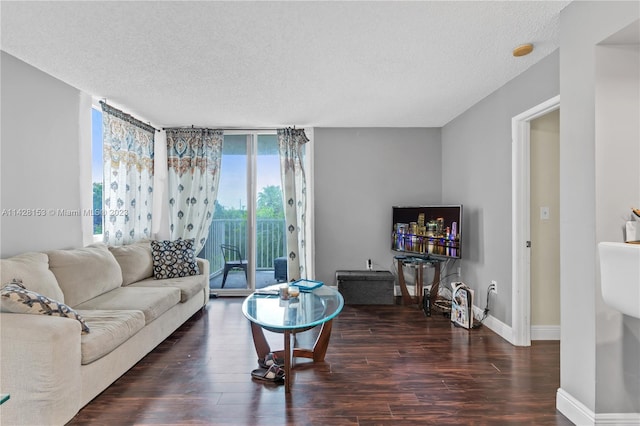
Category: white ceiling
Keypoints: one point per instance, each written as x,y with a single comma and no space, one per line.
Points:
255,64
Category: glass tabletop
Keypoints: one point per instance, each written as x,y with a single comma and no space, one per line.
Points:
307,310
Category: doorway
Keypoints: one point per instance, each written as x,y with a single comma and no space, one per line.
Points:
248,214
545,226
521,219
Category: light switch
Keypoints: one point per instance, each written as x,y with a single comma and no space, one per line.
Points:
544,213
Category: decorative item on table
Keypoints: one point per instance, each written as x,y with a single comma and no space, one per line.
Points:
294,291
632,234
305,285
284,291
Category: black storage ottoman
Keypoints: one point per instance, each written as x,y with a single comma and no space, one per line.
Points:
366,287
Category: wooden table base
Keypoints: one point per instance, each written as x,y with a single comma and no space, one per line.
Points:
317,353
406,297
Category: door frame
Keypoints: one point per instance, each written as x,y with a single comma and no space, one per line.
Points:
521,220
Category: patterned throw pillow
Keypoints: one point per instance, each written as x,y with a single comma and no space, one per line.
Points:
173,259
15,298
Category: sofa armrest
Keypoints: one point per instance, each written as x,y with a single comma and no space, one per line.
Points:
203,266
39,368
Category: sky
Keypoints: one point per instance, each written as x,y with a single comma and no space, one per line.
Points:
96,145
232,191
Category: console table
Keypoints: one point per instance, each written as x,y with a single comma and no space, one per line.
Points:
420,264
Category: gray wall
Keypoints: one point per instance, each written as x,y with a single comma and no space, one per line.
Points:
476,160
360,173
42,126
588,340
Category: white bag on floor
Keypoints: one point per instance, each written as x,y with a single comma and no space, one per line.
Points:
462,305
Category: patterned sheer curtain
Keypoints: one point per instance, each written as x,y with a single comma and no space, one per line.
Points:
194,157
128,177
291,145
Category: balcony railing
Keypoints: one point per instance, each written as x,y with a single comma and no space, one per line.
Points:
270,241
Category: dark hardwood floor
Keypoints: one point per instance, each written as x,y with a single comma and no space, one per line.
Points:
386,365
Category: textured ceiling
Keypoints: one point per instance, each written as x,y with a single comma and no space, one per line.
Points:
235,64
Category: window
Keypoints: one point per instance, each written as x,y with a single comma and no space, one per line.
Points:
96,168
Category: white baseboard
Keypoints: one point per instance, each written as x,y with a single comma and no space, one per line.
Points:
545,332
573,409
620,419
579,414
495,325
538,332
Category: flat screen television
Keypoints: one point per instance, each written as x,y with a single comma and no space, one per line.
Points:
428,231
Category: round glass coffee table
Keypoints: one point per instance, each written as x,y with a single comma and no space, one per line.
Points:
266,310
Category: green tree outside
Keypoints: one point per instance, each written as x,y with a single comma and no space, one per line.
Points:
270,203
97,207
269,207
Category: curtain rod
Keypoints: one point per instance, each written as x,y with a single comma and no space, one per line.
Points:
250,129
127,117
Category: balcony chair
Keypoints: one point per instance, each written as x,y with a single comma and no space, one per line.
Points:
232,260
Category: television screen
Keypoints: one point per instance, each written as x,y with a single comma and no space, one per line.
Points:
429,231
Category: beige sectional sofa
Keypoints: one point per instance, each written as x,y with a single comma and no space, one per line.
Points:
48,365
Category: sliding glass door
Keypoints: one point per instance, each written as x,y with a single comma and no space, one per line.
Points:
270,241
248,215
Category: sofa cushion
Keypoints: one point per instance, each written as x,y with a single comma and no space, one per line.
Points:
85,273
173,259
152,301
109,329
135,261
15,298
33,270
189,286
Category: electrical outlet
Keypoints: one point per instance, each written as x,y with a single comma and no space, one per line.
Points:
494,286
459,271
